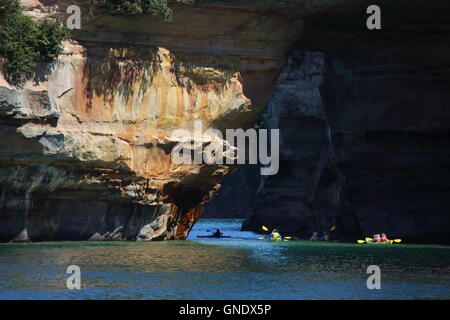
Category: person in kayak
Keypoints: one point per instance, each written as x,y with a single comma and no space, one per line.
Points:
314,237
217,234
325,236
376,238
384,238
275,235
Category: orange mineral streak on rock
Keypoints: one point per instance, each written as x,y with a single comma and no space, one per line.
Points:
187,221
164,106
205,112
182,218
180,104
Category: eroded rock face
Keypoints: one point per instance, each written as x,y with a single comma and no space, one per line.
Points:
390,132
99,131
288,200
86,146
364,148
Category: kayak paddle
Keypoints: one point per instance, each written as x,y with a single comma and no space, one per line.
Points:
398,240
265,228
333,228
361,241
368,239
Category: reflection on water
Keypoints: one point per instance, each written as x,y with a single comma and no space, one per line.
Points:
241,267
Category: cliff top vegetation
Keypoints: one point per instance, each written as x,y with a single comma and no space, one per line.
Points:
159,8
24,42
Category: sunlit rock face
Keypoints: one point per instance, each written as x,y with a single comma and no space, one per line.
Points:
85,148
99,131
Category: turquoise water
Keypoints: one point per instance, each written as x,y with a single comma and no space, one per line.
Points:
242,267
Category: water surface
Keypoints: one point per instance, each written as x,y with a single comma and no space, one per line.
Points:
242,267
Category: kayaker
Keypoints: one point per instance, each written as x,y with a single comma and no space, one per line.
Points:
376,238
275,235
314,237
325,236
217,234
384,238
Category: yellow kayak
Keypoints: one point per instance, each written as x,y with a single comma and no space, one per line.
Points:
386,242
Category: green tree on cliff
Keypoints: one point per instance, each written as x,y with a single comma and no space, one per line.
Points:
160,8
24,43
